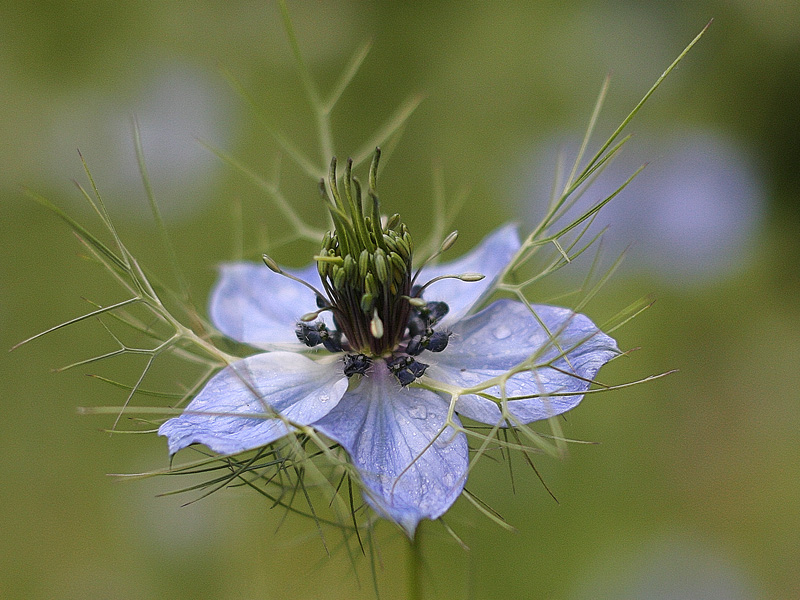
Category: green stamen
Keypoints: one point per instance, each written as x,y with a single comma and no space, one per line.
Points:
365,266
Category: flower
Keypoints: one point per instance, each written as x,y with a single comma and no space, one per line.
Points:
369,389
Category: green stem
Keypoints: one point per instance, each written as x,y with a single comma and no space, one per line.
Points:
415,567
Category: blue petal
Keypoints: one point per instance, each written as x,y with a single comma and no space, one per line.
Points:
387,431
293,385
489,258
505,334
252,304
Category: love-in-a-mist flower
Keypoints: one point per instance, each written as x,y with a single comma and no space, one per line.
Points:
366,350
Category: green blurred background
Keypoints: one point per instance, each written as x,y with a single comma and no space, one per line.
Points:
694,488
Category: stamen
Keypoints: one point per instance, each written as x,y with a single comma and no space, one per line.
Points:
417,368
356,364
471,277
406,369
314,335
373,169
405,377
392,222
365,266
449,241
336,260
433,312
433,341
445,246
313,315
438,341
273,266
416,345
415,302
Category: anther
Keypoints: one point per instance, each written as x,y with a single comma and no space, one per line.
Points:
308,334
310,316
446,245
416,325
405,377
449,241
433,341
273,266
424,315
471,277
318,333
356,364
415,302
416,345
438,341
406,369
417,368
433,312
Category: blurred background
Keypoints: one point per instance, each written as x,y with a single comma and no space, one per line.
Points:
693,490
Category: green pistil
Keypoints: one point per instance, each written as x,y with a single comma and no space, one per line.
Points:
365,266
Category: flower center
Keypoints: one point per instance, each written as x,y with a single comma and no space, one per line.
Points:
365,269
365,266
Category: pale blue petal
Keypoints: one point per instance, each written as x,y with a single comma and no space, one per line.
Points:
505,334
387,430
489,258
295,386
252,304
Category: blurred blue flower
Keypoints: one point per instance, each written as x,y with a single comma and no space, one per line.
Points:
408,447
175,104
694,214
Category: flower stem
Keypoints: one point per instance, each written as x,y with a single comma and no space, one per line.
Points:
415,568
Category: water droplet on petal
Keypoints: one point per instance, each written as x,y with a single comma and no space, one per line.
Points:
502,332
418,412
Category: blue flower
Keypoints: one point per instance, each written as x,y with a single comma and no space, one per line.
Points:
381,339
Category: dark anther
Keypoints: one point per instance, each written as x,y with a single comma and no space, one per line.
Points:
435,341
422,319
417,368
308,334
333,343
318,333
405,377
356,364
416,325
415,345
406,369
438,341
433,312
397,363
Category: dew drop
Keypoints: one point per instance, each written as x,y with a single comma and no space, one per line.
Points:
502,332
418,412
